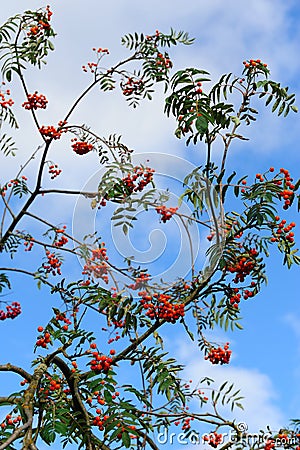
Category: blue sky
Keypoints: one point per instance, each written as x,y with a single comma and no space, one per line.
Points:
265,363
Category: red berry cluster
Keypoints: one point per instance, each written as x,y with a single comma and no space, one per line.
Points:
287,193
12,311
92,65
244,265
166,213
54,264
49,13
35,101
5,102
101,50
54,385
123,429
159,307
283,230
54,171
117,324
140,281
10,184
61,242
44,340
141,177
29,244
96,266
202,393
81,148
37,30
247,293
259,177
51,385
252,63
214,439
235,297
163,61
9,420
100,422
62,318
100,363
187,423
219,355
51,132
100,399
132,86
63,239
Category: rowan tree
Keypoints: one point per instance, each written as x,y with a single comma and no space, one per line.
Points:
73,394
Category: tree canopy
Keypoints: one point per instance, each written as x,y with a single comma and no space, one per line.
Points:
101,377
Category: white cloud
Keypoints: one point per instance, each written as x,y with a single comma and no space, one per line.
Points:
260,408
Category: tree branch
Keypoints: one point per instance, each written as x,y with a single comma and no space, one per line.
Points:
11,368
